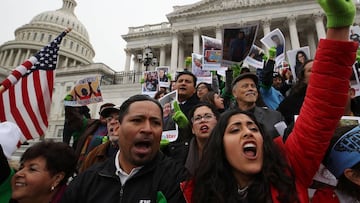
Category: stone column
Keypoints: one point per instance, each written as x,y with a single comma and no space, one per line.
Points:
162,55
311,42
174,51
287,40
293,32
266,29
3,59
181,56
135,64
17,58
320,29
196,40
66,62
27,54
218,32
266,22
10,58
128,60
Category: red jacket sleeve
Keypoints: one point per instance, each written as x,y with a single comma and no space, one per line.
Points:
326,96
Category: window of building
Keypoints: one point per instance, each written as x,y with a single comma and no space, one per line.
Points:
60,132
77,48
42,37
35,35
71,44
49,38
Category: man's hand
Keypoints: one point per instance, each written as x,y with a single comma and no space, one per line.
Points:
179,117
339,13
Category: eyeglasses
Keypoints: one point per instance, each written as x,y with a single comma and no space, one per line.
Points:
110,118
206,117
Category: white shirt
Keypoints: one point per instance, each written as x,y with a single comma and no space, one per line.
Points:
122,174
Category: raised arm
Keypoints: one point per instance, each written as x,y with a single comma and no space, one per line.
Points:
326,94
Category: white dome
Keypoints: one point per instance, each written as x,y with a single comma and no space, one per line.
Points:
64,17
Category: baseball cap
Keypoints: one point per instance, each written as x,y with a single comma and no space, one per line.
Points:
246,75
106,111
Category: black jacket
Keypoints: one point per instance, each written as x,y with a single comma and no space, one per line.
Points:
100,183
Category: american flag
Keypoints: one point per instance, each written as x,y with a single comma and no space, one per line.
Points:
25,95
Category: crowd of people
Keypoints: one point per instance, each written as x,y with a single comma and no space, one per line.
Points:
239,145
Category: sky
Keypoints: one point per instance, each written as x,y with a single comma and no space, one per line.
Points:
104,20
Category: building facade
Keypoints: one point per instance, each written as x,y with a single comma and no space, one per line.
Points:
301,21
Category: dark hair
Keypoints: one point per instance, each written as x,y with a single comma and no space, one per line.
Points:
59,157
124,108
345,185
215,182
210,106
209,98
298,65
158,93
208,86
178,74
300,85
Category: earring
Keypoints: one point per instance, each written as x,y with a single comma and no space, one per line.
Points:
52,188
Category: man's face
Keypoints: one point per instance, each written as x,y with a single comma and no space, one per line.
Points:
276,40
113,124
245,91
277,82
161,73
185,86
139,134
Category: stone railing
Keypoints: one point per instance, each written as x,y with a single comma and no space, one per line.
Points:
122,77
152,27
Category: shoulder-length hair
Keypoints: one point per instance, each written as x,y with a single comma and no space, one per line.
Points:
59,157
215,182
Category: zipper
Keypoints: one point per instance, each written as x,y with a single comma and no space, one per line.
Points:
121,192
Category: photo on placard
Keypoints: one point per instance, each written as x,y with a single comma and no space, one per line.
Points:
255,57
170,128
197,68
238,42
275,39
151,83
212,53
296,58
86,91
162,72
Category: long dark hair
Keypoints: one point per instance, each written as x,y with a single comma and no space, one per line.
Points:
300,85
215,182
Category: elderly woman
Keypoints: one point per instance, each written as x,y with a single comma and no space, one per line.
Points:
44,171
242,164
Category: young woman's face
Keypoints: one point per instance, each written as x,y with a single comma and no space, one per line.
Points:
243,145
219,102
203,121
301,58
201,90
33,181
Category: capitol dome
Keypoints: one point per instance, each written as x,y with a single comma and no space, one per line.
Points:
75,48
